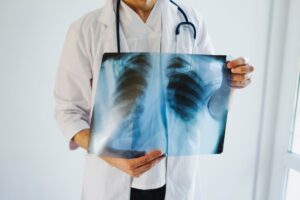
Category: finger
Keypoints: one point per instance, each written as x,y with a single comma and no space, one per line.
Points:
240,77
144,168
136,162
237,62
240,84
242,69
153,162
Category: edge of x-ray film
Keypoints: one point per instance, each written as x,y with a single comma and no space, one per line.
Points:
176,103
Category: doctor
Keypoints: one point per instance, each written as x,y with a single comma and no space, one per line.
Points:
139,26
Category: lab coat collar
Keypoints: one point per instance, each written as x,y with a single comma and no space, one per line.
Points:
107,16
170,17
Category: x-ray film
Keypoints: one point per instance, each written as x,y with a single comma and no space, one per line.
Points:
176,103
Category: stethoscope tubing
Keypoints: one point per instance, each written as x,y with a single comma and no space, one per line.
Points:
177,30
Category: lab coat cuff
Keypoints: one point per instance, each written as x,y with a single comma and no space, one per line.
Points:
79,126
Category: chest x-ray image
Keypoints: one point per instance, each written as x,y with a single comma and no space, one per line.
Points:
176,103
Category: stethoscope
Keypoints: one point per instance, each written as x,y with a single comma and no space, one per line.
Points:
177,30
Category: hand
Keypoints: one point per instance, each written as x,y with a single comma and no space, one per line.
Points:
241,72
82,138
136,166
133,167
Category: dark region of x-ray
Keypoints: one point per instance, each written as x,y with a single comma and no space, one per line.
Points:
177,103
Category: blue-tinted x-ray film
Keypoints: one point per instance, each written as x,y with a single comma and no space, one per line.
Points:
176,103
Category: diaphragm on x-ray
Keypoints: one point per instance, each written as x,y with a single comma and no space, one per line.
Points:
176,103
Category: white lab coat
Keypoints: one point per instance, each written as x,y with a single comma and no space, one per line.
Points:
88,38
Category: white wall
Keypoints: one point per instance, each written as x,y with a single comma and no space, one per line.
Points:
237,28
35,161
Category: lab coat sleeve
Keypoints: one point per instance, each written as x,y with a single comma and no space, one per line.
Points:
72,90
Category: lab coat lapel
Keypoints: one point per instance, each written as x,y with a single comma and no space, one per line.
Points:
108,19
109,40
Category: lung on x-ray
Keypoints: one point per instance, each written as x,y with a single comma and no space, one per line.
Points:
176,103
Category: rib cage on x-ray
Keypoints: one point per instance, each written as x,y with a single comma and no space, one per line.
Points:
185,91
147,101
132,83
129,93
